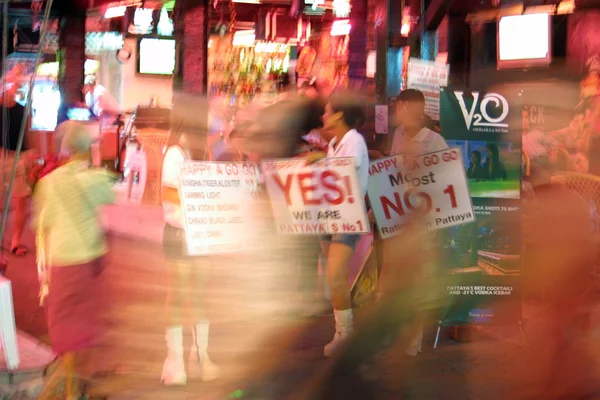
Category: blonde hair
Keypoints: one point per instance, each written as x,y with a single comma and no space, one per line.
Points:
73,137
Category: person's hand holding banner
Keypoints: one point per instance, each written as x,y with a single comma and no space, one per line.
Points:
430,187
319,198
314,156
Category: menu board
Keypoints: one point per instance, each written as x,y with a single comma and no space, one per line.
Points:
215,200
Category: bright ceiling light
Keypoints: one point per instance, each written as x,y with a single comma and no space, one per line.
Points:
340,28
115,12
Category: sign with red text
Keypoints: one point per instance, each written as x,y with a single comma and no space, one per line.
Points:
316,199
215,201
428,77
430,187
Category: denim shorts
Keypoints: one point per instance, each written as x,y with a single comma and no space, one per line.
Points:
350,240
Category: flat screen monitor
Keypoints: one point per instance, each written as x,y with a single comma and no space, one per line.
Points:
524,41
79,114
156,56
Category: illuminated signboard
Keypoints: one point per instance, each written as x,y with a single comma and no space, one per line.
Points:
99,42
341,8
143,22
165,23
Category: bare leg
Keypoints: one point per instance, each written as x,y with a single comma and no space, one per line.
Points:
130,183
338,258
174,367
196,299
71,378
178,291
309,266
20,219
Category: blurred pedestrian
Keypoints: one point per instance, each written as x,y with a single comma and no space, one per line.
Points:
188,274
411,138
11,125
560,252
280,131
71,247
395,317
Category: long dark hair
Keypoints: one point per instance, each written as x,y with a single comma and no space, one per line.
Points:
351,107
477,155
495,159
189,125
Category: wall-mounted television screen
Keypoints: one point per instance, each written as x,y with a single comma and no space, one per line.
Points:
524,41
156,56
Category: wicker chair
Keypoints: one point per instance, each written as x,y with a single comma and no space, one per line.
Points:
588,187
153,141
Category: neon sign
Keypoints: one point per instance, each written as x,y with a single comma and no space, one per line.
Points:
341,8
165,24
340,28
142,21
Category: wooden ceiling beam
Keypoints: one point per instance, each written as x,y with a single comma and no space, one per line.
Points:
435,13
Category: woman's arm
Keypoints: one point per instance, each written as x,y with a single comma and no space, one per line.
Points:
170,195
41,207
376,154
170,180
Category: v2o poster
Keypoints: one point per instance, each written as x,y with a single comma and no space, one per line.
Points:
486,254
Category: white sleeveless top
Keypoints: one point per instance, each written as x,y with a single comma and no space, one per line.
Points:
172,213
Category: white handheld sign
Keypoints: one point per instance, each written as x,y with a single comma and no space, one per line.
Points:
319,198
215,200
8,329
432,186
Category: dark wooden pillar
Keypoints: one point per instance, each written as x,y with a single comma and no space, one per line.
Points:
417,13
394,53
458,48
482,54
72,60
381,47
191,32
388,22
357,47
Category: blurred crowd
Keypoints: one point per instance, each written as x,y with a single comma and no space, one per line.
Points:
312,122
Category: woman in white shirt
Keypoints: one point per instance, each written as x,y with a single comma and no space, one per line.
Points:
343,114
187,142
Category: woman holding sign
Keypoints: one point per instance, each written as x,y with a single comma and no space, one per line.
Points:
187,142
343,115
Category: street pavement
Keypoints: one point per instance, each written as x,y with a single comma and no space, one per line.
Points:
269,343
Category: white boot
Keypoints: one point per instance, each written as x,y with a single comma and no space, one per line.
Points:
200,364
174,367
344,325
